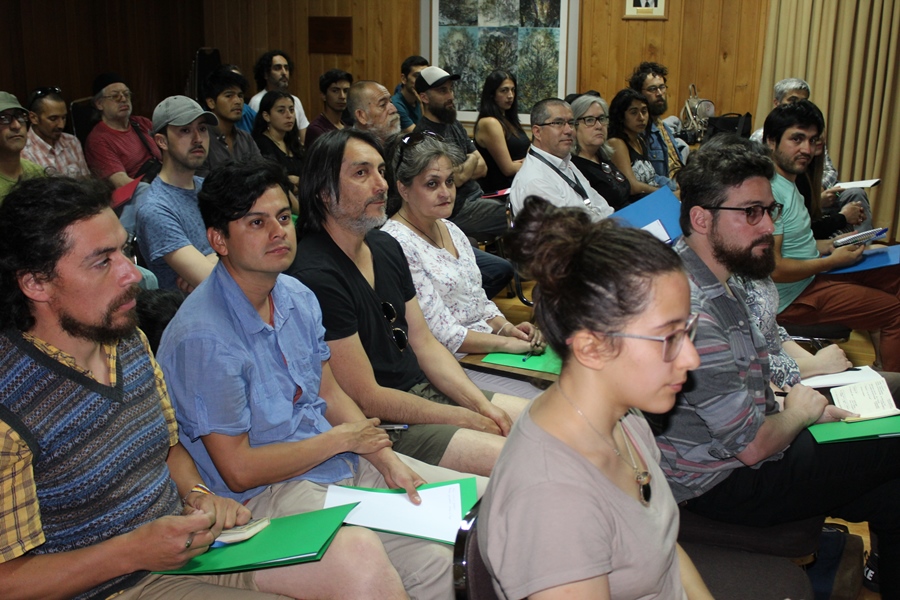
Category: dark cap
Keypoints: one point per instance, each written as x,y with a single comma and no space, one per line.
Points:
430,77
105,79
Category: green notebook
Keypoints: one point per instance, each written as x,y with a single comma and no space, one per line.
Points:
286,541
548,362
825,433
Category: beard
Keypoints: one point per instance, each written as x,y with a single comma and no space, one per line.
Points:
445,114
658,107
360,223
742,261
105,332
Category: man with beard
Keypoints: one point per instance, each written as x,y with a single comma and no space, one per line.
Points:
663,148
48,145
272,71
223,93
548,170
370,107
382,352
728,451
867,300
170,230
96,491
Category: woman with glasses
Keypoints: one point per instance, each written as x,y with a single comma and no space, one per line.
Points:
577,505
628,121
277,135
498,135
440,257
593,154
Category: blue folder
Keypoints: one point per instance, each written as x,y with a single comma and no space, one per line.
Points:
661,205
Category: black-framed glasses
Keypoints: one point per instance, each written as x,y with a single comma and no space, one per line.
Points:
591,121
118,96
754,213
7,118
408,141
560,123
656,89
673,342
390,314
41,93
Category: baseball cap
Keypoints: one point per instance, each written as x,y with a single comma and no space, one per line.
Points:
8,101
178,111
430,77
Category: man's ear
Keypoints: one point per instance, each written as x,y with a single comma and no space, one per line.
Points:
34,286
361,116
211,104
217,240
701,220
33,117
592,350
161,141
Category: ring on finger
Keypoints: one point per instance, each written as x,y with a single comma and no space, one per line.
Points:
189,541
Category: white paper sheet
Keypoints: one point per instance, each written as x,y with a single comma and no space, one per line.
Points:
843,378
658,230
869,399
437,518
862,183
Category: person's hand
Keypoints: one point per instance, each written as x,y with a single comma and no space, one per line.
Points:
832,414
397,475
832,359
498,416
363,437
805,401
534,336
183,285
169,542
830,196
226,513
845,256
469,419
854,213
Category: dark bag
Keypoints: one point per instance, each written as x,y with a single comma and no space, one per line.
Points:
151,168
729,123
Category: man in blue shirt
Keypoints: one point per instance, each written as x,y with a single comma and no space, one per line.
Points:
259,408
405,98
663,148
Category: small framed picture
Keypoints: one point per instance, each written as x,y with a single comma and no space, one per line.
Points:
646,9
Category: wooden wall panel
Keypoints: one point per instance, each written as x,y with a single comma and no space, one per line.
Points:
715,44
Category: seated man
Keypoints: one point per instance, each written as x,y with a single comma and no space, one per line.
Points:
48,145
665,151
334,85
272,71
224,95
370,107
13,137
257,404
405,98
728,452
863,300
97,491
170,230
383,353
548,170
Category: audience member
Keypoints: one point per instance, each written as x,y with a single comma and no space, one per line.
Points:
248,115
576,475
728,452
442,264
48,145
382,352
277,135
223,94
828,224
370,107
272,71
664,150
862,300
548,171
250,379
499,137
97,491
170,231
334,85
406,98
593,153
13,137
627,124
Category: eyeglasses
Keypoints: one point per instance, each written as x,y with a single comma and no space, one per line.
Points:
608,170
40,93
7,118
390,313
408,141
673,342
656,89
558,123
118,96
591,121
754,213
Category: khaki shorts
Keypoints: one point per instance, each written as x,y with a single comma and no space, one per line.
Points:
228,586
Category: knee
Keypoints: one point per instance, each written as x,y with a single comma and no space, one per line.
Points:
362,554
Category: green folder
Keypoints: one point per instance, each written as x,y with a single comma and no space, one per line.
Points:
825,433
548,362
286,541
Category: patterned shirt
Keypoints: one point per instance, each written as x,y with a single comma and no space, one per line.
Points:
63,158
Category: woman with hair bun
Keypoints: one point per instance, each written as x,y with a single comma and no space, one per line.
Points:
577,506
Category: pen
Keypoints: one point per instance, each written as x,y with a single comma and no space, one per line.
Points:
528,355
393,427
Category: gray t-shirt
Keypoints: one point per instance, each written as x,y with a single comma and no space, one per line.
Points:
550,517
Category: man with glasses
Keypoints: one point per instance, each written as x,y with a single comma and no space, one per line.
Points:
13,136
48,145
728,450
548,170
664,150
382,352
867,300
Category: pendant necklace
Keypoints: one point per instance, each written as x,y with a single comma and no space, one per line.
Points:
430,239
642,478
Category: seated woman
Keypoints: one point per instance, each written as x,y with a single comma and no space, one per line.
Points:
569,511
593,153
447,280
499,137
276,133
628,119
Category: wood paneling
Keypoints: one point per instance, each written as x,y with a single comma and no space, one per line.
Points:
715,44
384,33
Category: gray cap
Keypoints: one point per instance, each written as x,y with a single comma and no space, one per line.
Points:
430,77
178,111
8,101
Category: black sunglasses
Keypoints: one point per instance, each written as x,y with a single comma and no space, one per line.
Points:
408,141
390,313
40,93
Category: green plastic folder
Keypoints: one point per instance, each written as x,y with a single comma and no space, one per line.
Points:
825,433
548,362
286,541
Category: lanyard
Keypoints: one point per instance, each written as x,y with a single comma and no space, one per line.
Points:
575,185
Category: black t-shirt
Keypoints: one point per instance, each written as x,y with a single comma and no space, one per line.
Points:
350,305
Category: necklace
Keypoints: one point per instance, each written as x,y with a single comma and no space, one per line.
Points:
430,239
642,478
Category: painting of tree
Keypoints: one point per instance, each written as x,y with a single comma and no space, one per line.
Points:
498,13
539,13
457,56
538,72
498,49
458,12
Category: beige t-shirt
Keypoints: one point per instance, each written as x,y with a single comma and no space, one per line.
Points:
549,517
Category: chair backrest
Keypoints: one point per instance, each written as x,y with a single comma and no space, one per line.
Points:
471,579
82,117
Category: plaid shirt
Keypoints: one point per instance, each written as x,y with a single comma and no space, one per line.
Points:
65,158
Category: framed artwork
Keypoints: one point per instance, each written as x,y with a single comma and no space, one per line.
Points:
646,9
528,38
